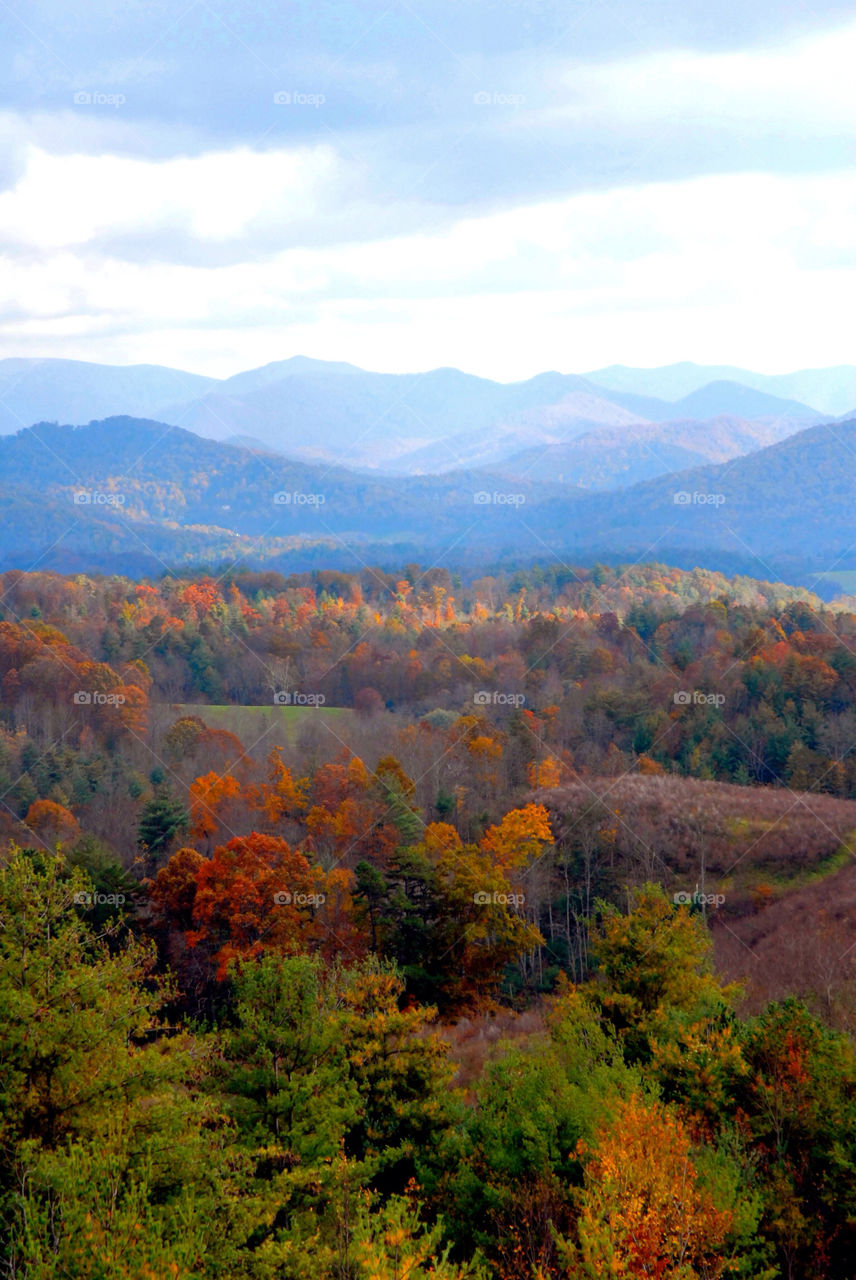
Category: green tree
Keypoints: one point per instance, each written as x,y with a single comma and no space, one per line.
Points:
798,1100
401,1071
285,1082
506,1177
287,1078
95,1209
656,989
162,819
92,1079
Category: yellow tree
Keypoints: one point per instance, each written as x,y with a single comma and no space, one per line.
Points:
544,773
281,796
519,838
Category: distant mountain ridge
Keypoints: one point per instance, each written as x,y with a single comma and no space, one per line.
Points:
421,423
443,419
614,457
726,396
44,390
831,391
160,496
790,500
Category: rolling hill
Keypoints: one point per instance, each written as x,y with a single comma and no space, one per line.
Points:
786,509
730,397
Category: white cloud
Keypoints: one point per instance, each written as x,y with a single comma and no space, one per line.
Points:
69,200
731,268
806,85
749,268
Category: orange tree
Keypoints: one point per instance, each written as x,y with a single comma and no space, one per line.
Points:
644,1213
254,893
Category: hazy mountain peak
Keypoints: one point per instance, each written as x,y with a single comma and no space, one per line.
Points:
829,391
309,364
33,389
725,395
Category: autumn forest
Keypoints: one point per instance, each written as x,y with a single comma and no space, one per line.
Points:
363,926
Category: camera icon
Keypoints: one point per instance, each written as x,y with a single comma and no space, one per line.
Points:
682,899
682,698
480,898
282,899
482,698
82,899
481,99
82,698
282,99
82,98
683,499
282,699
481,499
82,498
282,499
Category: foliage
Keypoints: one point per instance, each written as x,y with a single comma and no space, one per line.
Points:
409,990
643,1212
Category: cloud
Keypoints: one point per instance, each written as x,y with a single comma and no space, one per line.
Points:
532,134
807,84
499,186
62,201
581,96
735,268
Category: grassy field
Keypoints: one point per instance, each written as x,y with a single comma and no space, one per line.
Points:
250,723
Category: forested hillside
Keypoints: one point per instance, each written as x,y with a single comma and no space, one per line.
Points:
371,925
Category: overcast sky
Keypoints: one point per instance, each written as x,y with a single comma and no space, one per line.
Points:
504,187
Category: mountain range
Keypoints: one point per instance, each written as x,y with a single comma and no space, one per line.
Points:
305,463
438,421
137,496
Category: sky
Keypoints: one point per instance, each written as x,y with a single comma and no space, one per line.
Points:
503,187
